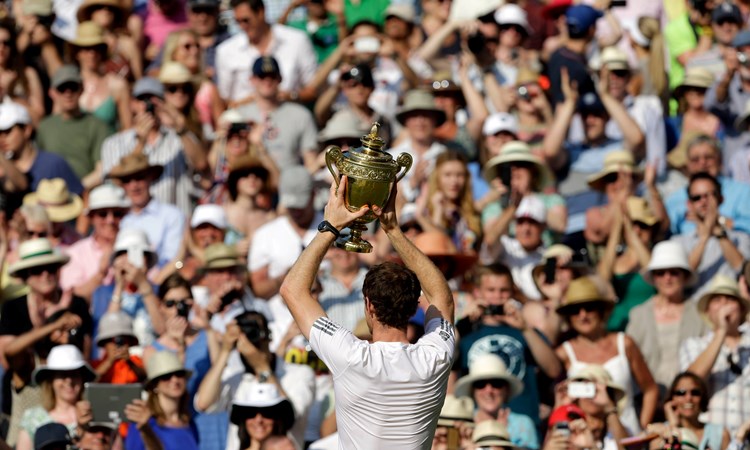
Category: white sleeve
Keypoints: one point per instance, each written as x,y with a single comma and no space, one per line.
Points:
223,73
440,333
332,343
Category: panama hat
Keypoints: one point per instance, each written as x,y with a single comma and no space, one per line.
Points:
615,162
695,77
35,253
598,374
220,256
115,324
343,125
88,34
557,251
163,363
612,58
722,285
668,255
441,250
88,6
526,76
583,291
518,152
173,72
265,398
487,367
456,409
421,101
639,211
64,358
491,433
60,204
107,196
135,163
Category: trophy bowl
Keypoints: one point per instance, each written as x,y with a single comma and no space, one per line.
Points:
371,173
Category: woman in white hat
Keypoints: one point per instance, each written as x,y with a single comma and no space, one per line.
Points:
585,308
164,418
260,411
692,114
61,380
660,324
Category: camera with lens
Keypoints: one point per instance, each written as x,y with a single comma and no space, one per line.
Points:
183,309
237,128
150,106
743,59
494,310
524,93
75,337
252,328
230,297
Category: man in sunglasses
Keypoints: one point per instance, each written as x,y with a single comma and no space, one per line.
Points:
75,135
90,258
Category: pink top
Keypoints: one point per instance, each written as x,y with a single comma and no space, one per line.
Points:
157,26
203,103
85,257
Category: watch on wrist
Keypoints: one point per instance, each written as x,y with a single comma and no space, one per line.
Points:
326,226
264,376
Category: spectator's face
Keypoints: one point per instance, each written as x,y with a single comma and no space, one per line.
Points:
5,46
686,398
698,197
178,95
215,279
356,93
452,180
421,125
644,232
725,31
103,15
43,280
203,20
172,298
702,157
446,101
396,29
66,96
618,83
490,395
136,188
89,57
694,98
250,185
521,178
496,141
249,21
524,104
439,8
494,290
342,260
106,222
172,385
594,126
726,306
587,319
529,233
67,386
267,86
259,427
37,229
111,345
14,138
206,234
511,35
670,283
96,439
188,52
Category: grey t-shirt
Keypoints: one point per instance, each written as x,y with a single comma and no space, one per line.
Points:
289,131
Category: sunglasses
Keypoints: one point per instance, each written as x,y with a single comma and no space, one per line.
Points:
68,87
481,384
173,303
191,45
684,392
697,197
134,177
121,341
104,213
169,376
38,234
38,270
671,272
172,88
589,308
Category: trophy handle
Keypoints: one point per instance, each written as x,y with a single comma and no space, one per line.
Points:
334,155
404,160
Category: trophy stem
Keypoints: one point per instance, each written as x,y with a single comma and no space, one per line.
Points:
354,242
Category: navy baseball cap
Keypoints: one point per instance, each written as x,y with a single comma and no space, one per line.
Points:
726,12
266,66
360,73
590,103
580,18
51,434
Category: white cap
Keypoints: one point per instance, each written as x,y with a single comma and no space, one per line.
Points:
211,214
531,207
511,14
12,114
498,122
108,196
132,238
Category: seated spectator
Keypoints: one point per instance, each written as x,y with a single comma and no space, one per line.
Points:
163,223
455,423
62,207
62,380
717,356
91,257
71,133
659,325
264,400
117,365
164,418
491,385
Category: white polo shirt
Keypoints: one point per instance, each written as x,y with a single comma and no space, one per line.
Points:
388,394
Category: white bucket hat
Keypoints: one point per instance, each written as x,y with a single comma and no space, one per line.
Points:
107,196
64,358
511,14
668,255
115,324
487,367
498,122
211,214
261,397
35,253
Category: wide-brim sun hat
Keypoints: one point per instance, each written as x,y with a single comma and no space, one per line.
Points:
163,363
455,410
115,324
107,196
695,77
668,255
487,367
135,163
518,152
584,291
615,162
36,253
220,256
342,125
88,6
172,72
598,374
64,358
88,34
490,433
419,100
722,285
263,398
60,204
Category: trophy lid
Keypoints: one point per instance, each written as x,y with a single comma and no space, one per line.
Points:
372,145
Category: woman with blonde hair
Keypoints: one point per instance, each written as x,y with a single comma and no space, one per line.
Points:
648,43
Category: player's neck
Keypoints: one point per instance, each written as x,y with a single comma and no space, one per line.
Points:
382,333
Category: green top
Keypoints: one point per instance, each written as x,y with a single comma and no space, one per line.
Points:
632,290
359,10
679,37
495,209
78,140
325,38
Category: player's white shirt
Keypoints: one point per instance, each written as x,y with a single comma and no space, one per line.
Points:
388,394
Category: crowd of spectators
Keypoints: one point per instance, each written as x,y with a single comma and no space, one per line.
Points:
581,175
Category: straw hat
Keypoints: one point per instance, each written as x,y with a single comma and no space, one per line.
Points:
598,374
422,101
518,152
695,77
173,72
107,196
88,6
220,256
88,34
613,58
251,399
456,409
61,205
163,363
439,247
639,211
583,291
526,76
135,163
722,285
487,367
678,157
491,433
64,358
668,255
35,253
115,324
342,125
615,162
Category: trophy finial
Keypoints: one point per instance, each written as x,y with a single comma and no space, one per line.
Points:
373,142
374,130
